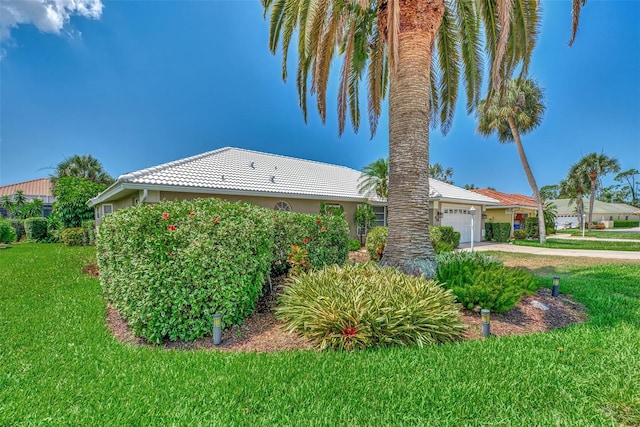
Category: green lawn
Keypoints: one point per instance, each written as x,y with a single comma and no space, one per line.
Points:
582,244
59,365
602,234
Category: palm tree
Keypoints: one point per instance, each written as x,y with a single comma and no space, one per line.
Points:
395,43
82,166
573,187
595,166
375,177
6,203
437,171
511,114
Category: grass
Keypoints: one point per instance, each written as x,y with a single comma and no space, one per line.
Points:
602,234
59,365
582,244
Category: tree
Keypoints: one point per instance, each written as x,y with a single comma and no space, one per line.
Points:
550,192
72,194
375,177
82,166
415,49
516,112
632,185
436,171
470,187
573,187
6,203
596,166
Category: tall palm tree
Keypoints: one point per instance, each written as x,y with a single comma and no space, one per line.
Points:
511,114
395,43
595,166
375,177
437,171
573,186
82,166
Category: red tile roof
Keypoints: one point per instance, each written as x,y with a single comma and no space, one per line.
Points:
35,187
508,199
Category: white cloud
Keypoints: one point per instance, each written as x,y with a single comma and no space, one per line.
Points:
49,16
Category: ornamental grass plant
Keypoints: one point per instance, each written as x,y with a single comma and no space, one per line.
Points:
363,306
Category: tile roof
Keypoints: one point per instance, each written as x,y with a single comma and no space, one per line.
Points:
36,187
568,208
508,199
233,169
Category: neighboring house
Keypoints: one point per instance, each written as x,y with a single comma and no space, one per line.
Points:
276,182
34,189
513,208
602,211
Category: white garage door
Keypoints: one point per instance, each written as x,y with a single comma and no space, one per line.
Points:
460,220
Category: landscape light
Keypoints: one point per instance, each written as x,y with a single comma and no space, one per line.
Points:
556,286
217,328
486,323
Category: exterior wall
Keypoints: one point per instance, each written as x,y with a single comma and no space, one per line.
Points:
510,215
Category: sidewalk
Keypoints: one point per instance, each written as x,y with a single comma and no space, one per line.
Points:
505,247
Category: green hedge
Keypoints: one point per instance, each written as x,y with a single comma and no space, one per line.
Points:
169,267
89,228
443,239
376,241
621,223
450,236
7,232
531,226
18,226
497,231
73,236
324,237
36,229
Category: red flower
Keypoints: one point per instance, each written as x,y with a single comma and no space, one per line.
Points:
349,331
165,215
318,221
217,220
323,228
305,240
192,213
171,227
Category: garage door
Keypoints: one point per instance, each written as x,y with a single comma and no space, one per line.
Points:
460,220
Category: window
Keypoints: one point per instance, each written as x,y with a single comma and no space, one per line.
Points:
381,215
97,213
282,206
107,209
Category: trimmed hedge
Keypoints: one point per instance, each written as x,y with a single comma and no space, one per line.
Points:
621,223
89,228
531,226
7,232
36,229
324,237
169,267
450,236
73,236
497,231
18,226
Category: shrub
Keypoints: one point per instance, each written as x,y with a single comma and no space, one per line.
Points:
501,231
169,267
488,231
72,194
449,235
601,226
531,226
7,232
376,241
354,245
325,238
626,223
18,226
442,247
73,236
89,228
362,306
36,229
435,234
519,234
478,280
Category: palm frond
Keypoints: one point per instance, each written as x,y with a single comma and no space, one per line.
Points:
449,61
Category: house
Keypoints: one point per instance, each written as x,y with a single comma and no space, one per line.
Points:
566,216
276,182
34,189
513,208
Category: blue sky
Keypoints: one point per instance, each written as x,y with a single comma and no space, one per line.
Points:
139,83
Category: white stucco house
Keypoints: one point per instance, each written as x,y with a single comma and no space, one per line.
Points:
280,183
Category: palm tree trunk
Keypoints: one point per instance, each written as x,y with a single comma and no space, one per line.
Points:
592,199
580,207
542,231
408,244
